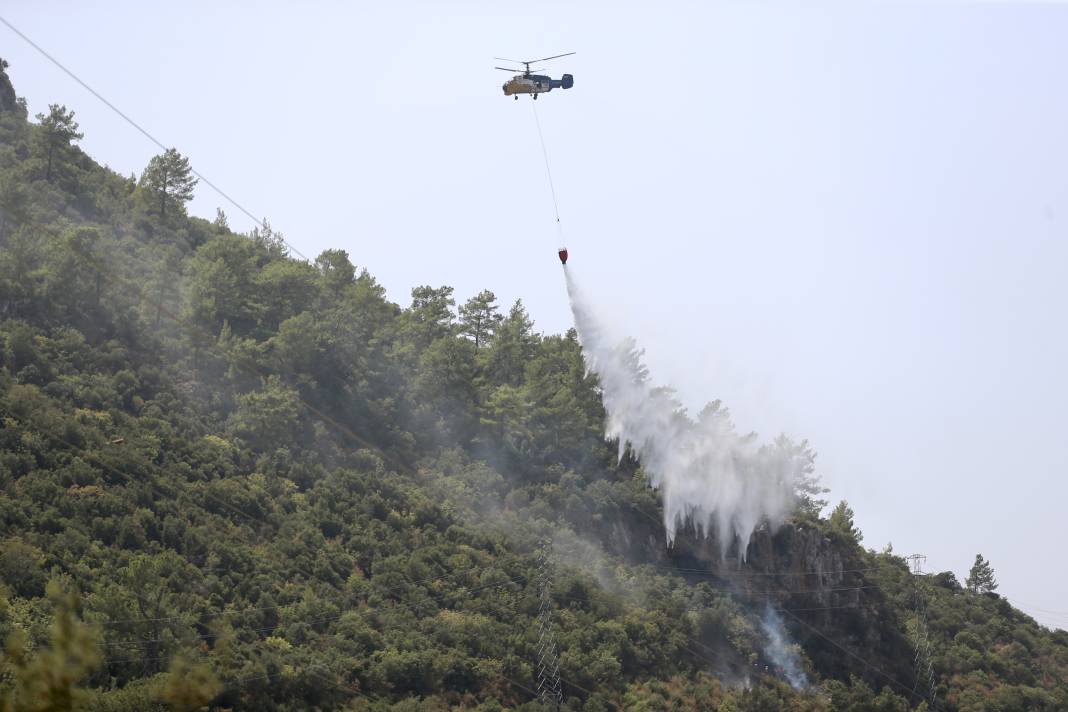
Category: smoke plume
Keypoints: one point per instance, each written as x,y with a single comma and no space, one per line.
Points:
781,654
721,482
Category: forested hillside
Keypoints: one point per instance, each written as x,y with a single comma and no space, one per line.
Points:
232,479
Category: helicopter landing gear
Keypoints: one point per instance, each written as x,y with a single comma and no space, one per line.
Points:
517,97
535,96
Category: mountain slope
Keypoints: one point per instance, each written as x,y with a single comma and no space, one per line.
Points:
272,488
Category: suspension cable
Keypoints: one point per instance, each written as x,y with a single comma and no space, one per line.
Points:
258,221
545,155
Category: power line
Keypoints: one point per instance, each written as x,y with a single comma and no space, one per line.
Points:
843,607
290,246
257,609
349,689
757,574
785,610
558,678
512,681
610,495
199,175
465,591
850,653
1023,604
239,364
414,604
144,131
141,659
325,619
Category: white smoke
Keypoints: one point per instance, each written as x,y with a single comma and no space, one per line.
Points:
722,482
782,655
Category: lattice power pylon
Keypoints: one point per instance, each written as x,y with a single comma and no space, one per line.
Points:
921,642
548,659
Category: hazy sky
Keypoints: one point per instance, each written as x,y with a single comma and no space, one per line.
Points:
845,220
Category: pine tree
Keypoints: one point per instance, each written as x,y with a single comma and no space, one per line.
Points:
513,346
170,178
430,314
336,269
981,577
8,100
841,521
221,221
58,131
479,317
269,239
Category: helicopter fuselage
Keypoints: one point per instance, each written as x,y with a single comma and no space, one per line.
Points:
536,84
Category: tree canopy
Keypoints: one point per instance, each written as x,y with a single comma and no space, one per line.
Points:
170,179
981,576
58,132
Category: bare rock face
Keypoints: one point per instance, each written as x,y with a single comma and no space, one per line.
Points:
794,562
819,582
802,558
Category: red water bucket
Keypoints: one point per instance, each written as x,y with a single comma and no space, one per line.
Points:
563,255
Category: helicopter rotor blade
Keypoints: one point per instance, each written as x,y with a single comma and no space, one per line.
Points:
555,56
510,69
505,59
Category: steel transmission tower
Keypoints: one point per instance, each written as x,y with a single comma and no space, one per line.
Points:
922,644
548,661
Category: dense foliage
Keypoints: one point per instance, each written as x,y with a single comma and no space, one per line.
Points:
232,479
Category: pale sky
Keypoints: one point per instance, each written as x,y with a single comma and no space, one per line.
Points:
845,220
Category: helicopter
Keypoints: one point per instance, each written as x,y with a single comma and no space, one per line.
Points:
527,83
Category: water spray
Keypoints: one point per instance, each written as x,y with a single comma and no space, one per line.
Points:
711,477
